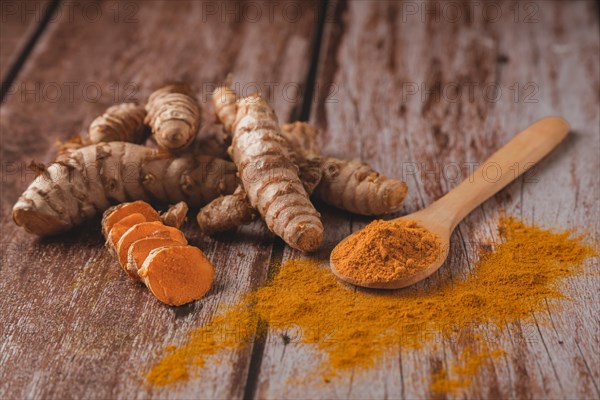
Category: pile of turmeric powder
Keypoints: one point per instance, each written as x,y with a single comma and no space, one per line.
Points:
356,328
385,251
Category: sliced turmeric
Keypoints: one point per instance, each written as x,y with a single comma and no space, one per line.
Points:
145,230
174,116
177,274
117,213
122,122
139,250
119,229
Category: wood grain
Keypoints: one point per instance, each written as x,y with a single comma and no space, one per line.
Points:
19,19
382,113
73,325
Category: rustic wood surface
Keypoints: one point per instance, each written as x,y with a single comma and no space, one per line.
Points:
19,21
73,326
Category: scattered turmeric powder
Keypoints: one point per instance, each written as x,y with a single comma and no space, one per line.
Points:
232,329
356,328
386,251
471,361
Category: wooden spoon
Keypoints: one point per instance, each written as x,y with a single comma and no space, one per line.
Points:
504,166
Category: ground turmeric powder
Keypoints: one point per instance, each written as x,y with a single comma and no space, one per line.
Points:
386,251
357,328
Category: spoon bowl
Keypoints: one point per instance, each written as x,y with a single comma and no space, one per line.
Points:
441,217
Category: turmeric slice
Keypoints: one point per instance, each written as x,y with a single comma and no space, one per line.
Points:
117,213
123,226
144,230
177,275
139,250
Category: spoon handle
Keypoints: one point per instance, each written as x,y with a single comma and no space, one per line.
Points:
505,165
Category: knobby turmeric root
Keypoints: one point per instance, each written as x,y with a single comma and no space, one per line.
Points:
302,138
347,184
122,122
174,116
90,179
157,254
354,186
269,177
224,101
226,212
230,211
176,215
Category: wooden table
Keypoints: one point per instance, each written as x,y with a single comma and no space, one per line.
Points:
421,90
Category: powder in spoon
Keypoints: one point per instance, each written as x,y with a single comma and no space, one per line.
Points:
386,251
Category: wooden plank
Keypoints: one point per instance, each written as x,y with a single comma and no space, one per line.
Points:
19,20
379,60
73,325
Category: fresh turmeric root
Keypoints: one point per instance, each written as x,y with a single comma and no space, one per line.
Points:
176,215
174,116
90,179
354,186
231,211
157,254
347,184
226,212
269,178
302,138
224,101
122,122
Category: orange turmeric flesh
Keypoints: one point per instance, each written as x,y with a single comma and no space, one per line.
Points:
123,226
115,214
145,230
139,250
386,251
177,274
